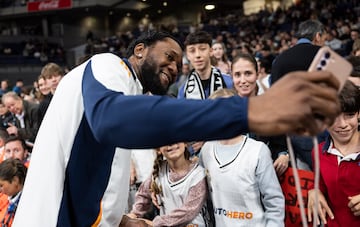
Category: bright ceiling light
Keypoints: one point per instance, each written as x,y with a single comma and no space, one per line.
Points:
209,6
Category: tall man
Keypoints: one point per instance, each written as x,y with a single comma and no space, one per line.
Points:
311,36
83,179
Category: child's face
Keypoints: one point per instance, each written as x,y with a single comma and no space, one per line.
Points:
345,127
173,151
12,188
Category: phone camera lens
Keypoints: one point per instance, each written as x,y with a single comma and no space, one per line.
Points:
323,63
319,68
327,55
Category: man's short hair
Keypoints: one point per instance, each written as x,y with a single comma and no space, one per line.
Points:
198,37
148,39
13,138
309,28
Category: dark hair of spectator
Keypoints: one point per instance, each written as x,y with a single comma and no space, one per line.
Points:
148,39
4,134
350,98
11,168
355,62
247,57
12,138
198,37
309,28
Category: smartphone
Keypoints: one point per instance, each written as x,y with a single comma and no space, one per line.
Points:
328,60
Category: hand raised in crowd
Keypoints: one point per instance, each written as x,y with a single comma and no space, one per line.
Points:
302,103
12,129
354,204
281,164
323,207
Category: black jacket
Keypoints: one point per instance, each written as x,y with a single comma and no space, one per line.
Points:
31,122
298,57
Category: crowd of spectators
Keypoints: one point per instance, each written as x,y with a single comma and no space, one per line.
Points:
268,30
32,51
263,35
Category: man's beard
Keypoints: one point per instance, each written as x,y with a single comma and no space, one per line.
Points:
151,80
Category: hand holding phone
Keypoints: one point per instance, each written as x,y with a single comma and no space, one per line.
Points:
328,60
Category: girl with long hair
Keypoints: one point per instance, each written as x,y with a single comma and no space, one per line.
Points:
178,186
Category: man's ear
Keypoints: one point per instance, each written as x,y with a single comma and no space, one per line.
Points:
139,50
317,38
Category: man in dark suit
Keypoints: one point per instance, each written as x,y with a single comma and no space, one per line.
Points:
311,36
25,116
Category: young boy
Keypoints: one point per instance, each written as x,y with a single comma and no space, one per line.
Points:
204,79
339,195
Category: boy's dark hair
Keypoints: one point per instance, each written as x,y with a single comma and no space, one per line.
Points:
350,98
11,168
198,37
355,62
150,38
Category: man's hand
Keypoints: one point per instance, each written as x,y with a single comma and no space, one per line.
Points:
12,129
302,103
